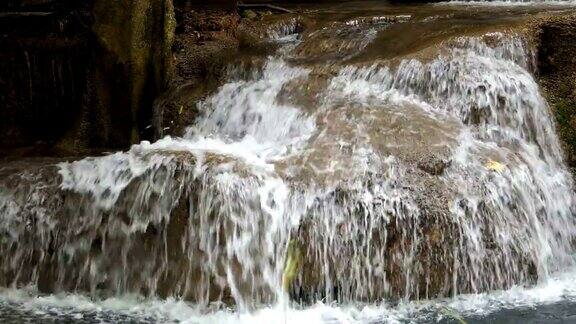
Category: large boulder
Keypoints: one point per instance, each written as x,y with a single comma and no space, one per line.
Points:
132,66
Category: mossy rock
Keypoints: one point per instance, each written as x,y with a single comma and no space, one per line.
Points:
249,14
557,71
134,62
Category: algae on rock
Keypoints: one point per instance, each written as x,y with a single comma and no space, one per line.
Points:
557,69
133,64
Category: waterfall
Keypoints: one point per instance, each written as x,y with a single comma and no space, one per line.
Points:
501,117
427,177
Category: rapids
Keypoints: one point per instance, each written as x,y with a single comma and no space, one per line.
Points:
409,187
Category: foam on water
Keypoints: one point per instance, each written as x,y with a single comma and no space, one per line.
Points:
248,111
106,177
554,290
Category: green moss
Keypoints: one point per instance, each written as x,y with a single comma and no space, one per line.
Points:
556,53
136,37
293,264
565,113
452,314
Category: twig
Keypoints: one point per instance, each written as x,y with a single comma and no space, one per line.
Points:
246,6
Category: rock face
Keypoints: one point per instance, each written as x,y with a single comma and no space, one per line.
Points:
44,52
557,67
150,227
94,70
82,74
134,44
210,227
204,42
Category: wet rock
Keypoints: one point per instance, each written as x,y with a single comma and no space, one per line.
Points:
433,166
343,40
204,43
557,70
43,71
161,236
207,42
382,231
249,14
135,38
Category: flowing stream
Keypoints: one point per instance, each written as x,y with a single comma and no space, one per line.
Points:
325,182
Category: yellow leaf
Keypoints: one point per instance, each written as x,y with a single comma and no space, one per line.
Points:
494,166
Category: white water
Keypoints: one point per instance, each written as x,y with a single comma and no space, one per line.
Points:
343,176
562,288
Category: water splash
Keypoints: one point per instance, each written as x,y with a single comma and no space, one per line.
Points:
248,111
504,236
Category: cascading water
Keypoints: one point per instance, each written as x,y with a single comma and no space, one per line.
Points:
414,179
505,170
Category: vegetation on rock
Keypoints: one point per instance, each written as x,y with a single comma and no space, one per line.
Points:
136,41
557,69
